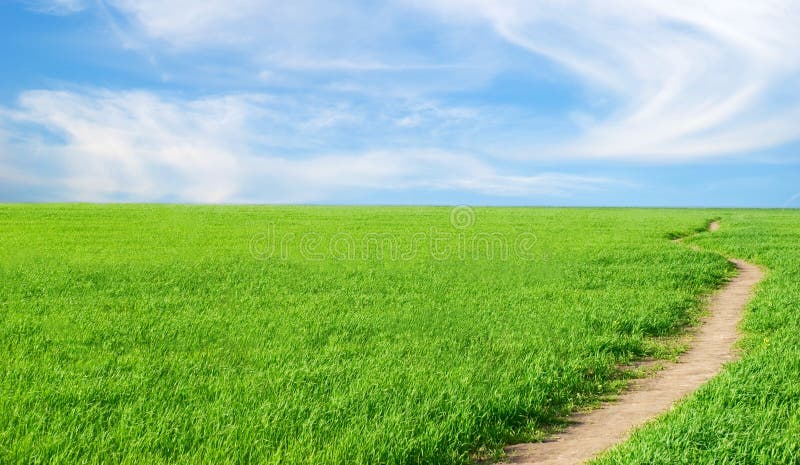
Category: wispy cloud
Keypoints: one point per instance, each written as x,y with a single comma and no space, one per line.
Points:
295,101
103,145
57,7
791,201
682,79
134,145
687,79
388,46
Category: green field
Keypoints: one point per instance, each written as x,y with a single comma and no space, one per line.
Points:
347,335
750,414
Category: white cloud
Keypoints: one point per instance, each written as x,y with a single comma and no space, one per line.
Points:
371,96
100,145
425,169
386,47
266,27
185,22
133,144
689,79
684,79
57,7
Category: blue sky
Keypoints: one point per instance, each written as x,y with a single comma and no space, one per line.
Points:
593,102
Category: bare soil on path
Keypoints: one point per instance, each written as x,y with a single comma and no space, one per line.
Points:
712,346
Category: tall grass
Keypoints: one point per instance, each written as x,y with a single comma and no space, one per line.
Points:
157,334
750,414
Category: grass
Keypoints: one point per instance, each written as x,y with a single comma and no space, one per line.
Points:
172,334
750,414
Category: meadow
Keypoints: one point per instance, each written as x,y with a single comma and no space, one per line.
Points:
347,335
750,413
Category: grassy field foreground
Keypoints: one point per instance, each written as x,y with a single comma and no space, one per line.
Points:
162,334
750,414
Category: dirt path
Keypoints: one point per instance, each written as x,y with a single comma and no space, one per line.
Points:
712,346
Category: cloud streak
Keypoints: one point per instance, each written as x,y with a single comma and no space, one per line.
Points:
57,7
681,80
687,79
112,146
470,96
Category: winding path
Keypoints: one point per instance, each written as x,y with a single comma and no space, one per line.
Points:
595,431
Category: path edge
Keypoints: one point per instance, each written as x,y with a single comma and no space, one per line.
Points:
518,451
